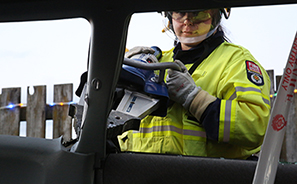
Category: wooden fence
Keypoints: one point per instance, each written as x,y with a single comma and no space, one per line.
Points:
36,112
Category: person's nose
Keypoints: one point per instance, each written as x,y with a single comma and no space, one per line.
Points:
188,21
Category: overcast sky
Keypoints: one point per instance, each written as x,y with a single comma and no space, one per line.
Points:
55,52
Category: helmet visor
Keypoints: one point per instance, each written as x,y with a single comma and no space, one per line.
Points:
195,17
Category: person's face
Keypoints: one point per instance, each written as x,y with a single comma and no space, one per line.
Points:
192,24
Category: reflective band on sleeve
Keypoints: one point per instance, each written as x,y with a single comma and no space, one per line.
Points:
266,101
247,89
251,89
226,137
243,89
227,120
233,96
173,129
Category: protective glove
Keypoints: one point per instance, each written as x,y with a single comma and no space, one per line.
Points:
142,53
181,86
183,90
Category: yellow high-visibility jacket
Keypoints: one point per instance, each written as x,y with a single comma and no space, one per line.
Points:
241,85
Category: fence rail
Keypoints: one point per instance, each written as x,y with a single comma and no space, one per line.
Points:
36,112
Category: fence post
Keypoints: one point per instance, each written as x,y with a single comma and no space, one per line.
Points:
35,112
271,76
61,119
10,117
278,79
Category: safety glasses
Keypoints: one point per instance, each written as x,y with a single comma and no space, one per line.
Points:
195,17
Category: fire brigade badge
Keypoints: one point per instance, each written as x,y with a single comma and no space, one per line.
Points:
254,73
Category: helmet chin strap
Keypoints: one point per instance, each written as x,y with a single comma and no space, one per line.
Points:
196,39
189,40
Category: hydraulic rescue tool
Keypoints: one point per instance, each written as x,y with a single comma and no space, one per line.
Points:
140,91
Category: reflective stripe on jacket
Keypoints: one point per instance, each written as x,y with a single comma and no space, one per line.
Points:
231,74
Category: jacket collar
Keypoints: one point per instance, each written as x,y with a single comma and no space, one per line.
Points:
192,55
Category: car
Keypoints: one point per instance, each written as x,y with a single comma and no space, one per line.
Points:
35,160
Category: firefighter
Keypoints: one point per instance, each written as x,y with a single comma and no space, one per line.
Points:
221,103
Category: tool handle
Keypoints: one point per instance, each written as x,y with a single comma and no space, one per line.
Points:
152,66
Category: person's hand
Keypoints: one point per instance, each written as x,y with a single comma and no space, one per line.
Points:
139,50
181,86
142,53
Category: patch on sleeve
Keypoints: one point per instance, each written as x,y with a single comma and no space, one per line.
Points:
254,73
